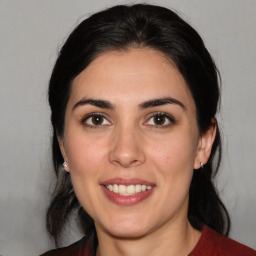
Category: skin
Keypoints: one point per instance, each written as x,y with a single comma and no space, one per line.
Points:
130,143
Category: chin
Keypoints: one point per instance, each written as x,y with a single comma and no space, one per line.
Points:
126,229
131,233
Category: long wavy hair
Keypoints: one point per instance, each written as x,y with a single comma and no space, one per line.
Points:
121,28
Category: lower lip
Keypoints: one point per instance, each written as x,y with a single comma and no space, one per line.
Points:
127,200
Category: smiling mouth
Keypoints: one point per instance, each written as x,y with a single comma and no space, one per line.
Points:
128,190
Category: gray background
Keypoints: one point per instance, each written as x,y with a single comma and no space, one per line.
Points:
32,31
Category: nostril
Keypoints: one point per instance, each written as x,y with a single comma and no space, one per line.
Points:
126,164
134,162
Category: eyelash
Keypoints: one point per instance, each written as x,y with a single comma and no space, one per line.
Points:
87,117
170,119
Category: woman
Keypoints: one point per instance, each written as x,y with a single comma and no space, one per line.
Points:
133,94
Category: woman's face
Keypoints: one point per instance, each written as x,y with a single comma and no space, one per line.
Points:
131,142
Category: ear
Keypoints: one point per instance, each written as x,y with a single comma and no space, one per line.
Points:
205,143
62,149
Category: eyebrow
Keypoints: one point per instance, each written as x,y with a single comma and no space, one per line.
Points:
161,102
94,102
147,104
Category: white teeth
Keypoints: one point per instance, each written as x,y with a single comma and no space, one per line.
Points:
115,188
138,188
122,189
128,190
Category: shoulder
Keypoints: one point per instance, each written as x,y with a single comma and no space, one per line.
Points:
214,244
78,248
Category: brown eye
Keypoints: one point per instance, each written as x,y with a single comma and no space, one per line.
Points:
95,120
160,120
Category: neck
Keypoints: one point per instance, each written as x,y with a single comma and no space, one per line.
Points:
177,240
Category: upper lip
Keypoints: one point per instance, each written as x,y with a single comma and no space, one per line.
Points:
126,181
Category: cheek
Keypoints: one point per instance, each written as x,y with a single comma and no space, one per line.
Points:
87,159
173,159
174,154
85,155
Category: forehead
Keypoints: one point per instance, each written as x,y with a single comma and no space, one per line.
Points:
138,74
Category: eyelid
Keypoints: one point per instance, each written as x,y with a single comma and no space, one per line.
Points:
163,114
90,115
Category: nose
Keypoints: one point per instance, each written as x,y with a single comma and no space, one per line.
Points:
126,148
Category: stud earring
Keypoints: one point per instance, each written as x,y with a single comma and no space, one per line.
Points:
202,166
65,165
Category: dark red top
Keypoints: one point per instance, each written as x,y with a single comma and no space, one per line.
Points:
209,244
214,244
